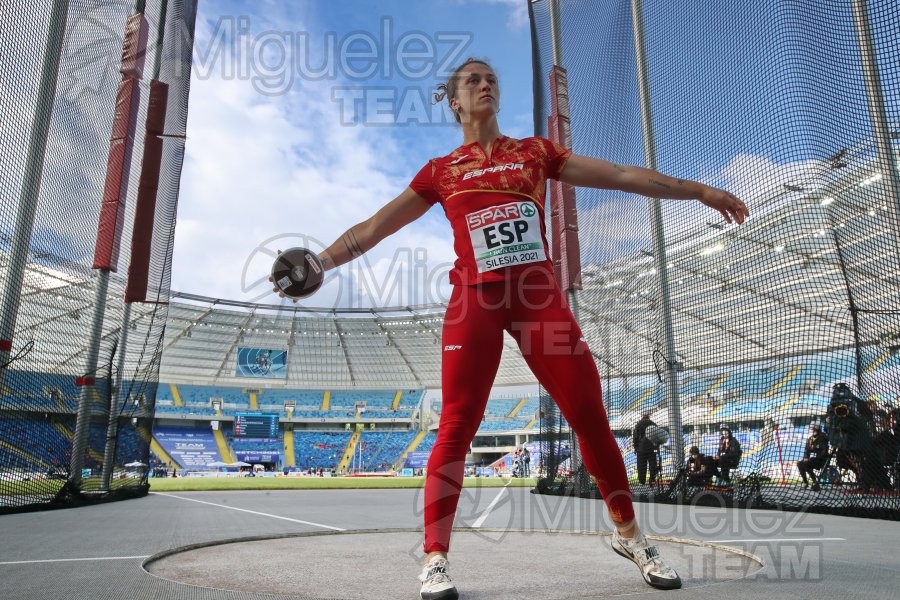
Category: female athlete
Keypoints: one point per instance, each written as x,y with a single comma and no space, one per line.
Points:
492,189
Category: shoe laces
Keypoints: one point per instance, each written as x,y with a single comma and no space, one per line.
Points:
659,565
647,554
437,571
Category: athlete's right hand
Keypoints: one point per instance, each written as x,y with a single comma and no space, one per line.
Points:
730,206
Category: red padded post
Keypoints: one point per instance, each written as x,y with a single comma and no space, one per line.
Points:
145,209
118,165
566,253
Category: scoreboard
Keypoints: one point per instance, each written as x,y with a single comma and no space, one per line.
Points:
256,425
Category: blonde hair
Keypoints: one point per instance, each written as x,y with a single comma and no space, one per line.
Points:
448,88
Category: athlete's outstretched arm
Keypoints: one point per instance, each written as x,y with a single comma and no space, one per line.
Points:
592,172
362,237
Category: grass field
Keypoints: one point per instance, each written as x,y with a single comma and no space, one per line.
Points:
43,487
196,484
8,488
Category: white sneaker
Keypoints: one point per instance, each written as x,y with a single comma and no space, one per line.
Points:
654,570
435,578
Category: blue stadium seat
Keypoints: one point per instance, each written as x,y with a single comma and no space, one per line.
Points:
319,449
379,450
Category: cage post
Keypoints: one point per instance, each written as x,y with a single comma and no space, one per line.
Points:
673,402
31,184
82,423
109,228
887,163
566,227
112,427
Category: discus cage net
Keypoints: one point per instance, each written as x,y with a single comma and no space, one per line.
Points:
94,106
794,106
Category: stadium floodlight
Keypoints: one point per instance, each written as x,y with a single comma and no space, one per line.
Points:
870,180
712,249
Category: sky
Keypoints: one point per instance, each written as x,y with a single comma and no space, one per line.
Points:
306,117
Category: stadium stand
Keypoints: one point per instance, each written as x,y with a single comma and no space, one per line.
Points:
502,424
500,407
753,394
427,442
376,399
380,450
307,404
301,398
200,395
32,444
319,449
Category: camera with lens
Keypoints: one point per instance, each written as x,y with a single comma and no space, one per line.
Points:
846,421
843,403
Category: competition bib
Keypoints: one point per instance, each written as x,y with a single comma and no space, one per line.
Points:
506,235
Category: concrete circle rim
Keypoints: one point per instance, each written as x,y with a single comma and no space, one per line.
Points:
145,564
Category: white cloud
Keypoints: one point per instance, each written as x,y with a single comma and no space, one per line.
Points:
620,224
615,227
762,180
262,171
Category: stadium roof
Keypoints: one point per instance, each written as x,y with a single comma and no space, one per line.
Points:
775,287
390,348
790,281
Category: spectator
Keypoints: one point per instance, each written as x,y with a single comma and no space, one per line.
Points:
815,456
645,450
888,446
729,454
850,424
526,462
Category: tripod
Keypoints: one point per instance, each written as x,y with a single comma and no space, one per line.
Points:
657,473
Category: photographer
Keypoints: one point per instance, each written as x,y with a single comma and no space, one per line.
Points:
850,423
645,450
888,446
700,468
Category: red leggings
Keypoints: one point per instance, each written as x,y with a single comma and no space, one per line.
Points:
537,316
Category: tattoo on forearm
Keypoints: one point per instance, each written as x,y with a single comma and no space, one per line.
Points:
682,181
356,245
352,245
660,184
619,168
346,244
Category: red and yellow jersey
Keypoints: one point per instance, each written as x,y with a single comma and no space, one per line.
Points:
495,205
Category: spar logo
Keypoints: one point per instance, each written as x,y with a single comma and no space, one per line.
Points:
497,169
505,212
